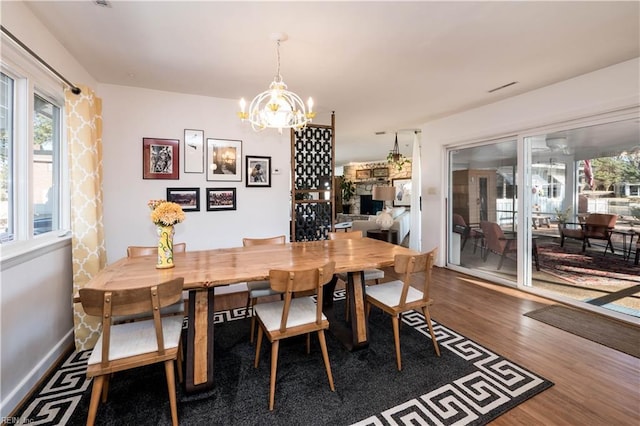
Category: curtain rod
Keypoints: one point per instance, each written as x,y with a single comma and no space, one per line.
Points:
74,89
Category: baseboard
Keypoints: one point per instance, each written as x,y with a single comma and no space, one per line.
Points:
14,400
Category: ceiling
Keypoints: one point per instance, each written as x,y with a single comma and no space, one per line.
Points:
381,66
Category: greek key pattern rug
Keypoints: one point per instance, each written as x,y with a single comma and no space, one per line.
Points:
489,386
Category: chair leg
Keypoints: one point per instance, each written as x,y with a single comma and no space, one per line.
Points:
396,339
95,399
105,387
427,318
258,347
325,357
171,386
502,256
179,363
274,367
246,309
253,320
308,343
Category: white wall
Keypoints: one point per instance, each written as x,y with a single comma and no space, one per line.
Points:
36,319
603,91
129,115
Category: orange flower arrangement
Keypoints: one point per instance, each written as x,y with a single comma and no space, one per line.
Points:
165,213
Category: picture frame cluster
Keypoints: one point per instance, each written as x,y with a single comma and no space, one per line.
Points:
220,160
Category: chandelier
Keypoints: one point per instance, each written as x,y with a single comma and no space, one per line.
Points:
277,107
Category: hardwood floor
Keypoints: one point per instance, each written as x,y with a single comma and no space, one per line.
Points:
594,385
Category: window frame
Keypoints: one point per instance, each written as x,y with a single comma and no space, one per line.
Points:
31,79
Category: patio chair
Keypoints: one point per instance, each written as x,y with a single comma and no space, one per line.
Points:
461,227
596,226
497,242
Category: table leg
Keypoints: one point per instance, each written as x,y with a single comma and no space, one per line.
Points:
534,249
355,335
199,358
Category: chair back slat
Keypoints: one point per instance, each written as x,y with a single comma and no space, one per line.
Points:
132,300
280,239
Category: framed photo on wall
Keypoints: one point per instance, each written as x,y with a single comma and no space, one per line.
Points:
403,192
160,158
258,171
221,199
363,174
224,160
193,151
187,198
381,172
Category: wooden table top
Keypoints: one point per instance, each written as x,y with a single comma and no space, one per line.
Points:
208,268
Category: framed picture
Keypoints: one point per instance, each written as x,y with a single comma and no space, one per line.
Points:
187,198
363,174
224,159
258,171
221,199
381,172
160,158
193,151
403,192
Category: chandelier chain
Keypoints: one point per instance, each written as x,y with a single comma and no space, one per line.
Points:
278,76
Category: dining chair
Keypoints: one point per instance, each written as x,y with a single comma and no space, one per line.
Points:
369,274
133,344
257,289
176,309
396,297
294,316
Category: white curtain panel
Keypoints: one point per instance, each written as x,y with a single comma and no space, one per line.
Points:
415,242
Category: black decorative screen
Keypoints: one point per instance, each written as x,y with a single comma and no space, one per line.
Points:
312,166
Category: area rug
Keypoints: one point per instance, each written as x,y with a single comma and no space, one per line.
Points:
609,332
468,385
589,268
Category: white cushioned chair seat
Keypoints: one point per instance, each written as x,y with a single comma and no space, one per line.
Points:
369,274
389,293
139,337
260,289
302,311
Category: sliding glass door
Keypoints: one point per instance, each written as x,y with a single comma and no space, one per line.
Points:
520,212
483,209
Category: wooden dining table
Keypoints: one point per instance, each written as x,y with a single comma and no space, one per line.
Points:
204,271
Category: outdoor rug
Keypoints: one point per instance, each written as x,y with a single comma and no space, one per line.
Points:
609,332
589,268
468,385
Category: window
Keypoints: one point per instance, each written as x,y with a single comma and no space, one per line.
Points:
46,164
30,153
6,149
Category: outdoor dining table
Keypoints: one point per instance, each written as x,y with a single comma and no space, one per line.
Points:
205,270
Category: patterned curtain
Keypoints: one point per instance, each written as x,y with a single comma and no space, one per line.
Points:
84,135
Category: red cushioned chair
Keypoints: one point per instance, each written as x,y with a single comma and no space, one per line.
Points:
596,226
